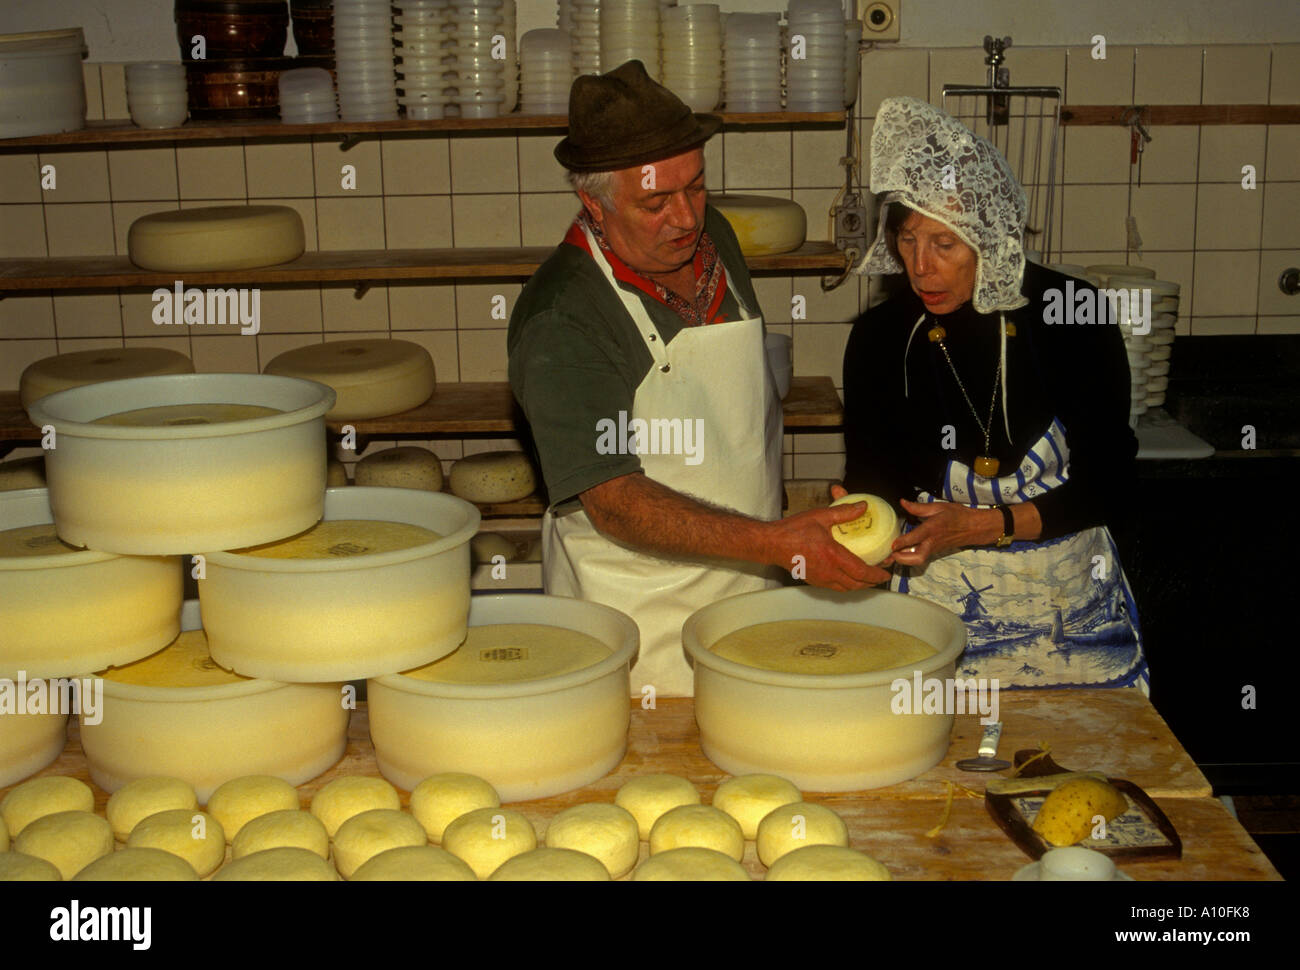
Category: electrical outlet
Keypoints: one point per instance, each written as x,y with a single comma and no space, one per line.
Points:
879,19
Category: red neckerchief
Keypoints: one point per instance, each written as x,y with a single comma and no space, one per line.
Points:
710,275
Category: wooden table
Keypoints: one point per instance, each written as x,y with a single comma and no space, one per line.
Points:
1115,731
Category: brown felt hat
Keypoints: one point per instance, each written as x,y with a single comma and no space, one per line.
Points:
624,118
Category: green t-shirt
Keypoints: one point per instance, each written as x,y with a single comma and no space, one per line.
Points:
576,358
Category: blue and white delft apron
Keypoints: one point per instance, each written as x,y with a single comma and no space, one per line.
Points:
1058,613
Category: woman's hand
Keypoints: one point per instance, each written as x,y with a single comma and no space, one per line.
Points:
945,526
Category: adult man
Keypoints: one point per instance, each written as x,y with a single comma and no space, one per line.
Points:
636,351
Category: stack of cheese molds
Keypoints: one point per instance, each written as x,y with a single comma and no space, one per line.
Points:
180,474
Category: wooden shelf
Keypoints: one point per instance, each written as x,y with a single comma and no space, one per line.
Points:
347,266
122,131
1183,114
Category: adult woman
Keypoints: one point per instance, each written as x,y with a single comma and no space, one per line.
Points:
1004,435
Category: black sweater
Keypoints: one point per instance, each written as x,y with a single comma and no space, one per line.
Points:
1077,373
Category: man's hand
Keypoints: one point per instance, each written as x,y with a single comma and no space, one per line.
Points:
825,562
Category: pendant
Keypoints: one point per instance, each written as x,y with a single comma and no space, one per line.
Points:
988,467
936,333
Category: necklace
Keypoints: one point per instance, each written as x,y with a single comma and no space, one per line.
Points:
985,465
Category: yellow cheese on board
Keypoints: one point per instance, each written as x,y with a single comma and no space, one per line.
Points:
81,367
649,796
551,865
69,840
33,540
216,237
500,653
702,826
185,662
286,864
138,864
38,797
748,798
493,476
796,825
821,647
440,799
19,867
194,836
764,225
337,538
486,837
371,377
288,827
240,800
169,415
142,797
607,832
415,863
404,467
364,836
340,799
690,864
827,863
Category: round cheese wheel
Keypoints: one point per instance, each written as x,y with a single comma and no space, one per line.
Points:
649,796
440,799
493,476
138,799
69,840
404,467
240,800
500,653
487,545
44,796
16,867
690,864
827,863
371,377
748,799
82,367
278,865
487,837
551,865
285,828
194,836
871,534
139,864
763,224
606,832
702,826
22,473
364,836
216,237
338,800
415,863
796,825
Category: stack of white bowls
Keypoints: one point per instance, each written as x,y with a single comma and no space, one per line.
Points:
307,96
814,69
752,62
692,54
629,30
363,58
510,23
581,18
546,69
420,33
479,78
156,94
852,41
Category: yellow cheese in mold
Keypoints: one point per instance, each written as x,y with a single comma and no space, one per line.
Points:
499,653
171,415
33,540
185,662
821,647
338,538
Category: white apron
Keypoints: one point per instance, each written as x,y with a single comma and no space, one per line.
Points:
715,376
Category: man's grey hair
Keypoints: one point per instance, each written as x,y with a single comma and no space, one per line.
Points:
599,184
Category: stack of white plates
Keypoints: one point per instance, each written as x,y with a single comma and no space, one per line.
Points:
692,54
420,34
307,96
1148,352
478,77
629,30
852,41
363,57
156,94
581,18
752,58
815,66
546,69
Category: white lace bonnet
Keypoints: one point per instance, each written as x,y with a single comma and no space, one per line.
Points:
931,162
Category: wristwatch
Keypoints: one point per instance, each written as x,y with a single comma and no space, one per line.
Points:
1008,527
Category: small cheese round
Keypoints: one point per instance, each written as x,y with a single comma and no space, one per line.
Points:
286,864
44,796
138,864
70,840
287,828
338,800
493,476
82,367
142,797
371,377
16,867
241,800
748,798
336,476
607,832
403,467
487,837
215,238
827,863
486,545
870,535
364,836
440,799
702,826
690,864
551,865
194,836
415,863
796,825
22,473
649,796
